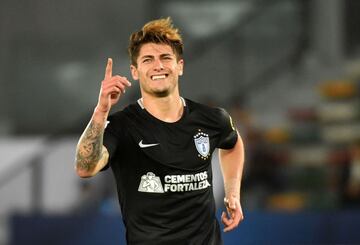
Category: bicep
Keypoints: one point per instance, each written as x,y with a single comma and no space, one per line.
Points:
237,151
232,161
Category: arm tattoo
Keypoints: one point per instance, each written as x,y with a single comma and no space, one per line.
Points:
89,149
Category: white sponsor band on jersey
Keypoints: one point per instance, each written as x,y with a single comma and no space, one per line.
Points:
173,183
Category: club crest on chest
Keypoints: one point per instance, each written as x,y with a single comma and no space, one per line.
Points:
202,143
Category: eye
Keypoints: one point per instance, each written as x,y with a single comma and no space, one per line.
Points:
146,60
167,58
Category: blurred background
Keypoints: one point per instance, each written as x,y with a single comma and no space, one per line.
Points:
288,71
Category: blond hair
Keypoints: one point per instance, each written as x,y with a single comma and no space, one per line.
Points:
160,31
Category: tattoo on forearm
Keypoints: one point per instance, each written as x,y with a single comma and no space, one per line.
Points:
89,149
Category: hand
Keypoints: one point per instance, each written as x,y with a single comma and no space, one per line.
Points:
111,88
234,213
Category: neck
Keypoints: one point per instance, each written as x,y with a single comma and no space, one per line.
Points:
167,109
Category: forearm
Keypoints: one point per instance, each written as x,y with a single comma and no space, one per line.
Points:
89,149
232,187
232,164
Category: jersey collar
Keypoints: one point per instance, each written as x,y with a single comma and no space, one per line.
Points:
140,102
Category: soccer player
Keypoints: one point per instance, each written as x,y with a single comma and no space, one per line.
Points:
159,148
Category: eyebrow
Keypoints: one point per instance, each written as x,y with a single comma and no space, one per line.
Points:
147,56
167,54
151,56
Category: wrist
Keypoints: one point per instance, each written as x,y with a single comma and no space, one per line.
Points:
232,188
101,109
100,115
232,195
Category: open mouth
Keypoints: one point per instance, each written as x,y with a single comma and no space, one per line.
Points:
158,77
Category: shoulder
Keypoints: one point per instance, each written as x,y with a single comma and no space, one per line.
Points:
215,113
122,114
198,107
118,118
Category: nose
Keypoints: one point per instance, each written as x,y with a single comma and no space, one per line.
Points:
158,65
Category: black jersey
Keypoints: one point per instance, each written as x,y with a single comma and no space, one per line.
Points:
163,172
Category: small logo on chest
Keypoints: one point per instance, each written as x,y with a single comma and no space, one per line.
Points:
202,143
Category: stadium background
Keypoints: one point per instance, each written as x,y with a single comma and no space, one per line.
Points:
287,70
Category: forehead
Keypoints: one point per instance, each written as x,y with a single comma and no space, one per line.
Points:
155,49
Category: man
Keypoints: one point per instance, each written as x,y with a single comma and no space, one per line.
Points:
160,148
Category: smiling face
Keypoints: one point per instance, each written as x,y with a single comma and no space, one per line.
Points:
157,70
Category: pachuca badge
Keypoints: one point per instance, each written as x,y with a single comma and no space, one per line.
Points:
202,143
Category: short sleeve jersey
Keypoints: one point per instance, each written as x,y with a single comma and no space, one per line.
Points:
163,172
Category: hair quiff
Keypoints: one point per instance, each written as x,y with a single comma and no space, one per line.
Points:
159,31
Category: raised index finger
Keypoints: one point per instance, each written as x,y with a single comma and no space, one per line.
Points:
108,70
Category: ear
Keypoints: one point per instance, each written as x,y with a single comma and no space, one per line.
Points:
134,72
181,67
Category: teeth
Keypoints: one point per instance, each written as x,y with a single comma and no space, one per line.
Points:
158,77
